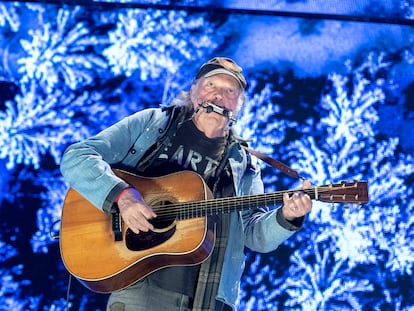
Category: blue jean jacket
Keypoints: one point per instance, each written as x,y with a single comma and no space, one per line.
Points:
86,166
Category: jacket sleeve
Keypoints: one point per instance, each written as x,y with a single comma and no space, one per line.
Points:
265,229
87,165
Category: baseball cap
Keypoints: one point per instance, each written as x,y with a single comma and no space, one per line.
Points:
223,65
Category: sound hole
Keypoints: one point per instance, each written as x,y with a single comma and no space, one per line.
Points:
164,228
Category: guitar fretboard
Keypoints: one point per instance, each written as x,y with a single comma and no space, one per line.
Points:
346,192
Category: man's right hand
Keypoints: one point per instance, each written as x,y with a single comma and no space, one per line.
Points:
135,212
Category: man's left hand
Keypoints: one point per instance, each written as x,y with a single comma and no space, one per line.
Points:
298,204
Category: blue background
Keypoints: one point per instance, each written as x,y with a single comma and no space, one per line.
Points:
331,93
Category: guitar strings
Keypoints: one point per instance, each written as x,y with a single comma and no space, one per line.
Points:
221,205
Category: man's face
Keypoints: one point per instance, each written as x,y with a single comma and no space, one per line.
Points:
221,90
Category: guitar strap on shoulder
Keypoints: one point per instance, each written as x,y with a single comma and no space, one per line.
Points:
274,163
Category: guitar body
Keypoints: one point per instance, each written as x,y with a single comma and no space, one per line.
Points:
91,254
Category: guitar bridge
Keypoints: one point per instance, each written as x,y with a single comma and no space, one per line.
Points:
117,226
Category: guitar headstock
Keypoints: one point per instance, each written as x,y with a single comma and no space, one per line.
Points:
345,192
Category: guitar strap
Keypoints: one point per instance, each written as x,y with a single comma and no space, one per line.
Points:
274,163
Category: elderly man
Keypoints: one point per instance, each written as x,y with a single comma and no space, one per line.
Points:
193,133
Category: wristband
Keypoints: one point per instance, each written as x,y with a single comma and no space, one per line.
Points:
120,195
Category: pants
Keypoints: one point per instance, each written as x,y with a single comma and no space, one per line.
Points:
145,296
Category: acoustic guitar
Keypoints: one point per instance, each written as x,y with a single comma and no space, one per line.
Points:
106,256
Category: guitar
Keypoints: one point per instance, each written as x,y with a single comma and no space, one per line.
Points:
184,231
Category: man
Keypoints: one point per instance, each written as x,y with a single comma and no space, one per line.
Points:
193,133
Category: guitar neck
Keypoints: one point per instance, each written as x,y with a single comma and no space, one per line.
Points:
227,205
340,193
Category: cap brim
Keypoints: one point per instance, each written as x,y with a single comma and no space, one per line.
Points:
223,71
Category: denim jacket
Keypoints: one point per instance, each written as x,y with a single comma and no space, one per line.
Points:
86,166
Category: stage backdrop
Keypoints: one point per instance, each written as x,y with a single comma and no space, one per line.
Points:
331,93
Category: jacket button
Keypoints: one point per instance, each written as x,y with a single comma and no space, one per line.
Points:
133,151
160,131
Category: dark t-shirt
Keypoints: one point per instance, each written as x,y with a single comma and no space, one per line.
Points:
191,150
